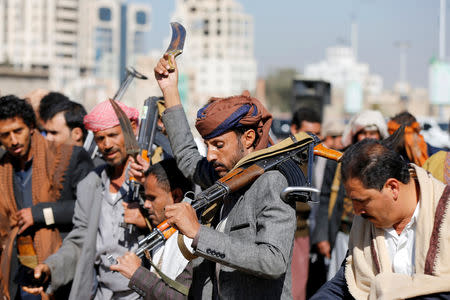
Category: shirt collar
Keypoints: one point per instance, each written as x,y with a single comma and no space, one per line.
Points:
415,215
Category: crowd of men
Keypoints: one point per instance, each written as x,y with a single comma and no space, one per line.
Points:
71,228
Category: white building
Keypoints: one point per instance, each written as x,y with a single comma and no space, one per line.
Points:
69,42
218,55
341,68
119,30
41,36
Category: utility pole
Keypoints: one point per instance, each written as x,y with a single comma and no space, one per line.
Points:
403,87
442,10
354,37
403,46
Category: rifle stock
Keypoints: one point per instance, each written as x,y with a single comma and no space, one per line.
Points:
321,150
240,177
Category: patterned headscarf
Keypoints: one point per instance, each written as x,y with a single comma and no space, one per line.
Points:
103,116
223,114
415,145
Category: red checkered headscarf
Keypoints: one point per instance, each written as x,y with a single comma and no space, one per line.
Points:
103,116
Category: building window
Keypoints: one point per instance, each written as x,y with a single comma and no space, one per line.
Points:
141,18
104,14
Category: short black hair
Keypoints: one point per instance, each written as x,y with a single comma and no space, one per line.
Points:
55,103
12,107
305,114
51,104
404,118
74,116
169,176
373,163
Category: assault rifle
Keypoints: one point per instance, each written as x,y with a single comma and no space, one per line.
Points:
148,126
132,146
246,171
144,143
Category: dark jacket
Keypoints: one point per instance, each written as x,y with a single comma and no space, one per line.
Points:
336,288
79,166
327,227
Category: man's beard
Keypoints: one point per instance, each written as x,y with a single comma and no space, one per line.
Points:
238,155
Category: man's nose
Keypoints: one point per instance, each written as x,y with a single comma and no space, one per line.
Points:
50,137
14,140
357,208
211,155
107,143
147,204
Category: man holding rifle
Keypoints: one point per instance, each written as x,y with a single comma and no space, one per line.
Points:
164,184
248,254
98,214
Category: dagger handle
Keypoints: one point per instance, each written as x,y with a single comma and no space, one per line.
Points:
175,53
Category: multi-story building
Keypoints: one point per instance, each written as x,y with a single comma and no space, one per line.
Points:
119,36
41,37
69,45
218,57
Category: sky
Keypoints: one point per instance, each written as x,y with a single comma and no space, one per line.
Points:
294,33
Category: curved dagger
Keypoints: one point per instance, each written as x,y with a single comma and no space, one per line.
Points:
131,144
177,43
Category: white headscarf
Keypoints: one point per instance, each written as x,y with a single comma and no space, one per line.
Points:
369,120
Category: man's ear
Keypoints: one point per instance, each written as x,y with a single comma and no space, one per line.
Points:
393,186
294,129
177,195
248,138
134,126
77,135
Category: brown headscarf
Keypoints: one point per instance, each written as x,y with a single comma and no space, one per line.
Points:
415,145
223,114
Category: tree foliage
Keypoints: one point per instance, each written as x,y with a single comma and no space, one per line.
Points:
279,89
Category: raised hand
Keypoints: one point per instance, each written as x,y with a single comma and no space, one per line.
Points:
167,79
